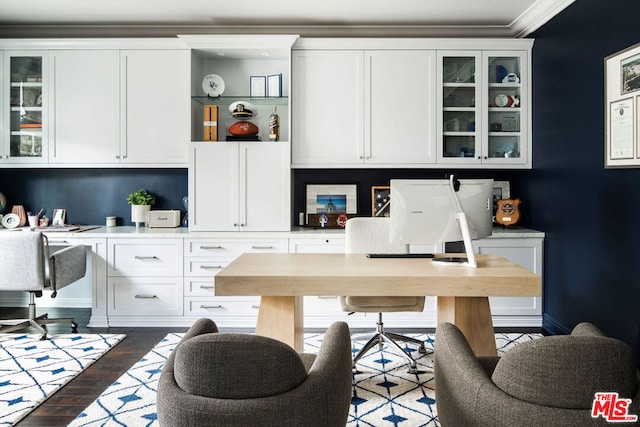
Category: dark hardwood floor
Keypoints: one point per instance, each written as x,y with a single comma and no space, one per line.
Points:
61,408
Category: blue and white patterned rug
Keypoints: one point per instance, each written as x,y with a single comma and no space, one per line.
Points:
31,370
385,394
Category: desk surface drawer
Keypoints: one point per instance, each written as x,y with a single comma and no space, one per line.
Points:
161,257
231,249
145,296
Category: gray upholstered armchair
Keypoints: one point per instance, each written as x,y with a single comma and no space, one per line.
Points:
27,265
549,381
227,379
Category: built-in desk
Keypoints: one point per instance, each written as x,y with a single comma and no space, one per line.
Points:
283,279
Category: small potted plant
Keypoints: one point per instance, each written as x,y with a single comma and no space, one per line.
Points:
140,202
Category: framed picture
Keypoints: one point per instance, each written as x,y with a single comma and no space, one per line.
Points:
258,86
59,217
622,108
381,200
274,85
328,201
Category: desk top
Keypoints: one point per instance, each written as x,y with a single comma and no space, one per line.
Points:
354,274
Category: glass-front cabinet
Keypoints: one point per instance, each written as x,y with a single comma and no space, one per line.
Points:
483,115
24,130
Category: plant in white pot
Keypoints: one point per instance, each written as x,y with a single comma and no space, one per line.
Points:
140,202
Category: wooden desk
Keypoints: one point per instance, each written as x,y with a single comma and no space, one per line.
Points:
283,279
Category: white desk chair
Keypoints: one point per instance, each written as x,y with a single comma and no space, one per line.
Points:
27,265
371,235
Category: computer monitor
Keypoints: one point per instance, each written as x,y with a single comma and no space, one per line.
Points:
432,211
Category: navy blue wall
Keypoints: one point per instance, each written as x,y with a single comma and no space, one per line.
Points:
89,195
589,214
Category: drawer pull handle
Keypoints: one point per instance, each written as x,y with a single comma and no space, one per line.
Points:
211,267
210,306
207,287
326,297
144,258
255,305
146,297
211,247
58,242
261,247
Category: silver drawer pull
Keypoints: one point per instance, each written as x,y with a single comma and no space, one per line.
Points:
211,247
255,305
261,247
210,306
207,287
211,267
58,242
146,297
326,297
144,258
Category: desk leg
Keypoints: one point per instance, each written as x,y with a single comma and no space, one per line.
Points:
472,315
282,318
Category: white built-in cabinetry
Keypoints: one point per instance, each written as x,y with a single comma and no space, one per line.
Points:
239,186
411,103
102,103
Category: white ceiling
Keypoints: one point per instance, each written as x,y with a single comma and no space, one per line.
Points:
445,18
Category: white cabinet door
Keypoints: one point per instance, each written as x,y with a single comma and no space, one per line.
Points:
327,107
155,112
213,186
265,192
400,105
84,112
239,186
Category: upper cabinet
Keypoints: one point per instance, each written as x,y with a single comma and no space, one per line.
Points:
24,118
412,103
96,103
483,112
363,107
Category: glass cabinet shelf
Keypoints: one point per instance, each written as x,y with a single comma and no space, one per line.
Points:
226,100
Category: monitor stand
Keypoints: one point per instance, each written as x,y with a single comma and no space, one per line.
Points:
470,260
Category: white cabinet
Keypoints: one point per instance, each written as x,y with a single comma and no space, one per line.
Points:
483,113
526,252
239,186
374,107
84,87
24,108
155,107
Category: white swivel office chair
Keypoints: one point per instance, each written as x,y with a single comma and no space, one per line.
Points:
27,265
371,235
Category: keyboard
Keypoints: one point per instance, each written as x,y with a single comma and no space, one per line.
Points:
400,255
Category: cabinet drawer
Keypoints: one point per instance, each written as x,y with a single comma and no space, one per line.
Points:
231,249
145,296
157,257
221,307
199,287
203,267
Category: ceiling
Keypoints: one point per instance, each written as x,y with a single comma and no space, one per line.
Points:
336,18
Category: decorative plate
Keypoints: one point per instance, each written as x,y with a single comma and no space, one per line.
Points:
10,220
502,100
213,85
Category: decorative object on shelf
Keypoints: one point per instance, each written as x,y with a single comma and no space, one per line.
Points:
325,220
243,110
257,86
185,203
508,212
213,85
243,128
10,220
274,125
140,202
501,190
501,73
510,101
210,123
381,200
59,217
3,203
507,150
274,85
21,213
331,200
511,78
